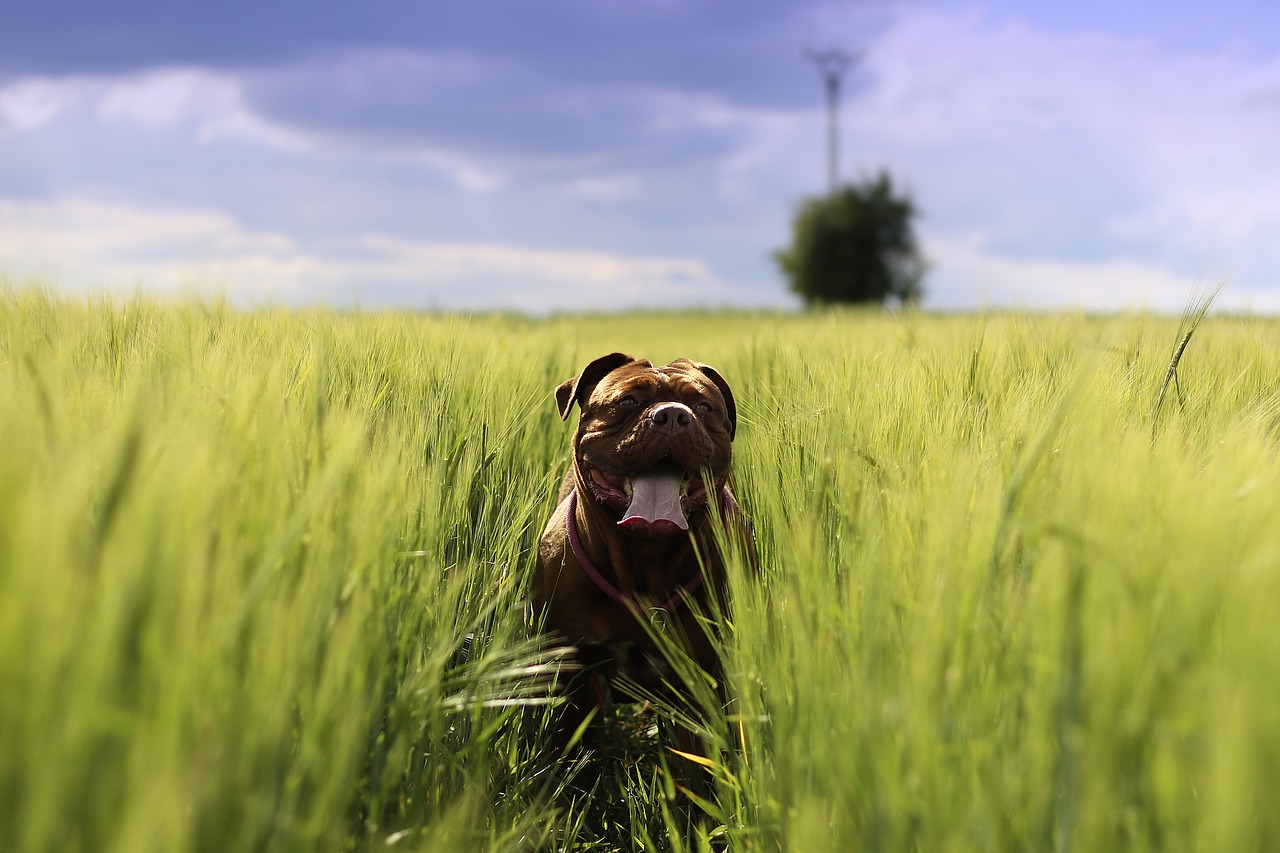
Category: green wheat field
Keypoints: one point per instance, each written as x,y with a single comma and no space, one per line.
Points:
262,580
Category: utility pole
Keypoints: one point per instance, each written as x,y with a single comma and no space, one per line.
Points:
832,64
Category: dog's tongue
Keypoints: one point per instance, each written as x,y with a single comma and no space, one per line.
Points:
655,504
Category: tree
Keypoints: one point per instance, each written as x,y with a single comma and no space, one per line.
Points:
854,245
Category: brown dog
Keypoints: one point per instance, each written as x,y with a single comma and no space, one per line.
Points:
652,449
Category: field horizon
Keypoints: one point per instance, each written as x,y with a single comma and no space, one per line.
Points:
262,580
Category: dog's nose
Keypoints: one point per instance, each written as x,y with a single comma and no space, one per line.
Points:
671,417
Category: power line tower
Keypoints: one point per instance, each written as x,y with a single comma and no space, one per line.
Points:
832,64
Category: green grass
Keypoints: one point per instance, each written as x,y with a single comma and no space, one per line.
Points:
261,580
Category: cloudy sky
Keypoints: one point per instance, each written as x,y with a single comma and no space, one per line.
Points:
546,155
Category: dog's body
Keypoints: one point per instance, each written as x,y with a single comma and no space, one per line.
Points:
652,449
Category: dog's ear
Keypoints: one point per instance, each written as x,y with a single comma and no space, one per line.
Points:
726,392
579,388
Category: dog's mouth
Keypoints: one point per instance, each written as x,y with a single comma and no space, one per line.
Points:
654,502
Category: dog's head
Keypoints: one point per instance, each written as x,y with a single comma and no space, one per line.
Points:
653,442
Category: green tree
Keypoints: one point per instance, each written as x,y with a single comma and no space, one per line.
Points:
855,245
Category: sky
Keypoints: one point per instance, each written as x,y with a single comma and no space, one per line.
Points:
562,155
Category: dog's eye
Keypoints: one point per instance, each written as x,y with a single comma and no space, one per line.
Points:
628,401
704,406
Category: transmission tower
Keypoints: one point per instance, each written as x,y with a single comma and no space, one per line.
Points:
832,64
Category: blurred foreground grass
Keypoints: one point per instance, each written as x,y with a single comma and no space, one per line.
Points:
261,579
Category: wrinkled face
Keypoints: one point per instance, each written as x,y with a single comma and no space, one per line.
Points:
646,436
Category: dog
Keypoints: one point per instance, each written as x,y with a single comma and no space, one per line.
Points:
632,538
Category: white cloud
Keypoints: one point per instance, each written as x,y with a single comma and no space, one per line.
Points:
30,103
610,188
88,245
158,98
212,106
971,275
84,244
624,275
463,171
212,103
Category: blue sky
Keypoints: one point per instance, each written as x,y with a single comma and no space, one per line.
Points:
547,155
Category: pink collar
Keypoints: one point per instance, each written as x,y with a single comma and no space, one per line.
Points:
726,501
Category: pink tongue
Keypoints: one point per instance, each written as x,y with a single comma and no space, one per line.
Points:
655,504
